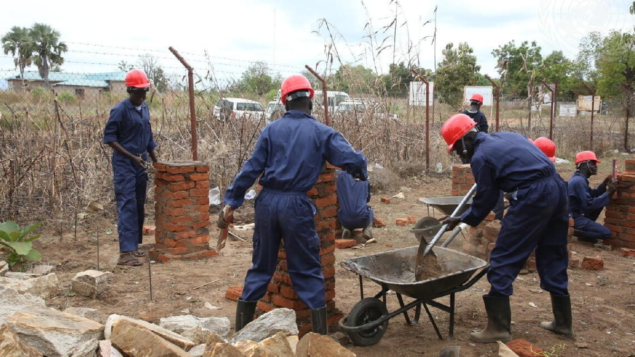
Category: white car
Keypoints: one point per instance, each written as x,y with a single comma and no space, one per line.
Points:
230,108
275,110
351,106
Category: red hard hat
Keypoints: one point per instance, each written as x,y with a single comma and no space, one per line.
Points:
293,84
547,146
137,79
454,128
586,156
477,97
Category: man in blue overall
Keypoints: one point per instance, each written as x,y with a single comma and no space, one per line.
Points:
585,203
537,220
476,101
354,212
290,154
129,133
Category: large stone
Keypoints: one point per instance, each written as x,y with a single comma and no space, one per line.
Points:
91,283
12,346
315,345
134,340
225,350
106,349
86,349
55,333
268,325
19,275
12,301
278,345
197,351
253,349
178,340
211,342
91,314
293,342
4,267
195,328
42,286
40,270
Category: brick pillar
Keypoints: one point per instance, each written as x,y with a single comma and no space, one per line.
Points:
181,211
462,179
280,292
620,214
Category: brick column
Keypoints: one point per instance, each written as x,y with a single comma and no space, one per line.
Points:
280,292
620,214
462,179
181,211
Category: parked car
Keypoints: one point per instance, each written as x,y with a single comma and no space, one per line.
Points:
275,110
230,108
351,106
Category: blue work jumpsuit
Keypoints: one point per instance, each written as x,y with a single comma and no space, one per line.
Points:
585,205
131,128
537,219
353,197
290,154
479,118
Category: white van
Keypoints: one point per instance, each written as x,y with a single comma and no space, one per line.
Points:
230,108
334,98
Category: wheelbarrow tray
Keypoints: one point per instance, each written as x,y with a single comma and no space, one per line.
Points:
447,205
394,270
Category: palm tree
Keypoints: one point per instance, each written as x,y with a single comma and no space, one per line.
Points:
48,49
18,43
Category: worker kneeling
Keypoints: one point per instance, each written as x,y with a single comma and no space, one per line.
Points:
585,203
290,154
354,212
537,220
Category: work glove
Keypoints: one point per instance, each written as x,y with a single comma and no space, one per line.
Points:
223,217
452,222
611,188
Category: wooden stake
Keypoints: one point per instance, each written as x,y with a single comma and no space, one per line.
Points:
150,277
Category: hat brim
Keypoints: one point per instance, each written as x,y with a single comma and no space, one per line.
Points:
141,86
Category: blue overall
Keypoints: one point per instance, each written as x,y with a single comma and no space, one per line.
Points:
480,119
290,154
353,197
131,128
537,218
585,205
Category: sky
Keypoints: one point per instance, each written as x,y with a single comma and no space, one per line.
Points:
289,34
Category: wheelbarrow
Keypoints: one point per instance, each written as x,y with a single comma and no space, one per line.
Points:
447,205
394,271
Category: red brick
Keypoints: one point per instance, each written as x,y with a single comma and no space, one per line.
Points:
411,220
273,288
454,193
491,246
204,216
179,195
402,221
313,191
181,186
199,177
203,201
180,169
328,272
330,188
490,217
327,260
389,245
345,243
185,235
327,224
170,242
181,219
173,227
283,278
178,203
630,165
202,208
531,263
202,168
265,307
198,192
288,292
328,212
202,185
200,240
281,301
330,295
159,183
591,263
177,250
524,349
159,167
378,222
201,224
327,177
327,250
627,252
234,293
172,178
326,201
385,200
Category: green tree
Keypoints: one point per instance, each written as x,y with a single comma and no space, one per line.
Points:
457,69
125,66
558,68
19,44
150,65
354,79
48,49
588,55
256,79
523,64
397,81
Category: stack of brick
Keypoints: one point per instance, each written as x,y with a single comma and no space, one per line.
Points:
462,179
181,211
479,241
280,292
620,214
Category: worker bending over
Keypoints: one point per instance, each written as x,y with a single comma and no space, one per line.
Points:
354,212
290,154
537,220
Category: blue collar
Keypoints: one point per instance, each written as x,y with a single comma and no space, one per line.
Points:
129,104
480,138
578,173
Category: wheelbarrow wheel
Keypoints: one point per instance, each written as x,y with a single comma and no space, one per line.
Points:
365,311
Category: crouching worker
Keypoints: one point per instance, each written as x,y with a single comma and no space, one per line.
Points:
585,203
290,154
536,220
354,213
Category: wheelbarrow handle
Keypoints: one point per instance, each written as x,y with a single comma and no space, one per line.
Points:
458,209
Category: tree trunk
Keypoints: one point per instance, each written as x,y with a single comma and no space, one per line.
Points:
45,65
628,114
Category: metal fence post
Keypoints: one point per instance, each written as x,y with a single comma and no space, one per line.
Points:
324,94
190,82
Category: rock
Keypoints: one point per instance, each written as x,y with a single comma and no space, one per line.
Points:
195,328
225,350
293,342
4,267
340,338
19,275
411,220
42,286
106,349
378,222
212,341
268,325
91,283
345,243
582,345
234,293
626,252
197,351
253,349
55,333
40,270
278,345
591,263
86,349
12,301
523,348
134,340
91,314
402,221
315,345
450,351
12,346
168,335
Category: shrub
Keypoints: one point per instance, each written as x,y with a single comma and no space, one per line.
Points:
18,243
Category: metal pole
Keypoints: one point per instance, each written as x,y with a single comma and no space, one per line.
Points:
324,94
555,100
190,80
150,277
417,75
592,110
498,98
550,114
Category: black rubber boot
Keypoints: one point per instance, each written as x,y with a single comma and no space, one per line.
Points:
499,321
244,313
318,321
563,321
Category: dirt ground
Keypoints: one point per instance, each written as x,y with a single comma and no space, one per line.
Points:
603,302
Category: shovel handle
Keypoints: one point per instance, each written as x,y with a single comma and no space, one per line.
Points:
222,237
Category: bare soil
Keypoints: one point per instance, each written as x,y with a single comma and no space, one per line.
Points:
603,301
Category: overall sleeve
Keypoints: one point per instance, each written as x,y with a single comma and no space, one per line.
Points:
486,194
111,131
368,188
340,153
587,201
235,194
482,123
598,191
151,143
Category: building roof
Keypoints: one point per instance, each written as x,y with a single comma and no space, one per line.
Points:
75,79
83,83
